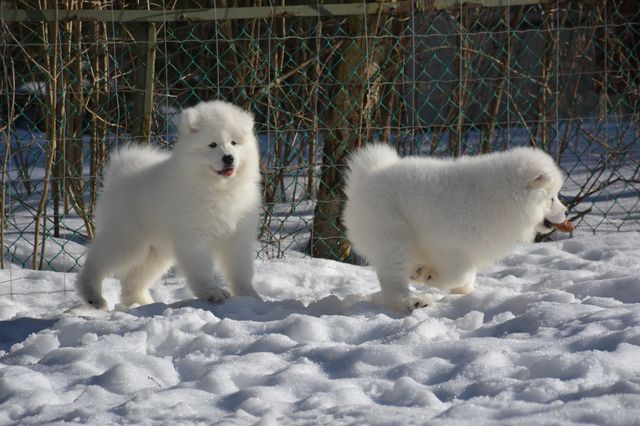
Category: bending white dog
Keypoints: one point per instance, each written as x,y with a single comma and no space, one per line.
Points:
440,220
195,205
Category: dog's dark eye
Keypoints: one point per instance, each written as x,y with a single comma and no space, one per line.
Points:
213,145
234,143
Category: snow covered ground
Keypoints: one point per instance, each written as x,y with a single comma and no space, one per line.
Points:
550,336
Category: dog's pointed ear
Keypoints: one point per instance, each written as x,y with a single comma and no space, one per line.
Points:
190,120
539,181
251,120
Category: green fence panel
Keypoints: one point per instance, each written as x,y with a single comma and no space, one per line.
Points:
431,78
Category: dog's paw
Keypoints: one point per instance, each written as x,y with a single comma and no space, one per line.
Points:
421,274
216,295
98,302
405,303
417,274
417,301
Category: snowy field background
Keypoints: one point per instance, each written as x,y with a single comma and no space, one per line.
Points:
550,336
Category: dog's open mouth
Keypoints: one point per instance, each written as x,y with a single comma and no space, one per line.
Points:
228,172
565,226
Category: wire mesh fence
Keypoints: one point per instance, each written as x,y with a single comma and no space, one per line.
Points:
432,78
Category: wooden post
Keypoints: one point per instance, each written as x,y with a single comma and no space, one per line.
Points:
145,74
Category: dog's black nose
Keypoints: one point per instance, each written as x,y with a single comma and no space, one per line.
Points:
227,160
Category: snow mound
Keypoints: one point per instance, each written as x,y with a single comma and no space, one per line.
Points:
550,336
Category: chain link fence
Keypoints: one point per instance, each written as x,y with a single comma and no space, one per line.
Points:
439,78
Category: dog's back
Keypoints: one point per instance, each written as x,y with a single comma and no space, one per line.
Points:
129,160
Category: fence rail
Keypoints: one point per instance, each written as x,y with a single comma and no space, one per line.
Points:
254,12
430,77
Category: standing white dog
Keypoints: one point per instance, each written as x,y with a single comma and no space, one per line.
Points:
439,220
195,205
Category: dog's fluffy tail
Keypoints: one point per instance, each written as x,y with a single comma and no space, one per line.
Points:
128,160
365,160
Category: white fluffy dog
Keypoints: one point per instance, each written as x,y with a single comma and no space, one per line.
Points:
192,206
440,220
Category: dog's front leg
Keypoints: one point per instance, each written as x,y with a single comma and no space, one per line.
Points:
236,256
197,264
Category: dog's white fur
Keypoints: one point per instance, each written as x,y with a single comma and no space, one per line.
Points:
441,220
159,208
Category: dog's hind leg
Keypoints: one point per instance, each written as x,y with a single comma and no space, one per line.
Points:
393,269
468,287
107,255
455,275
136,282
89,283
